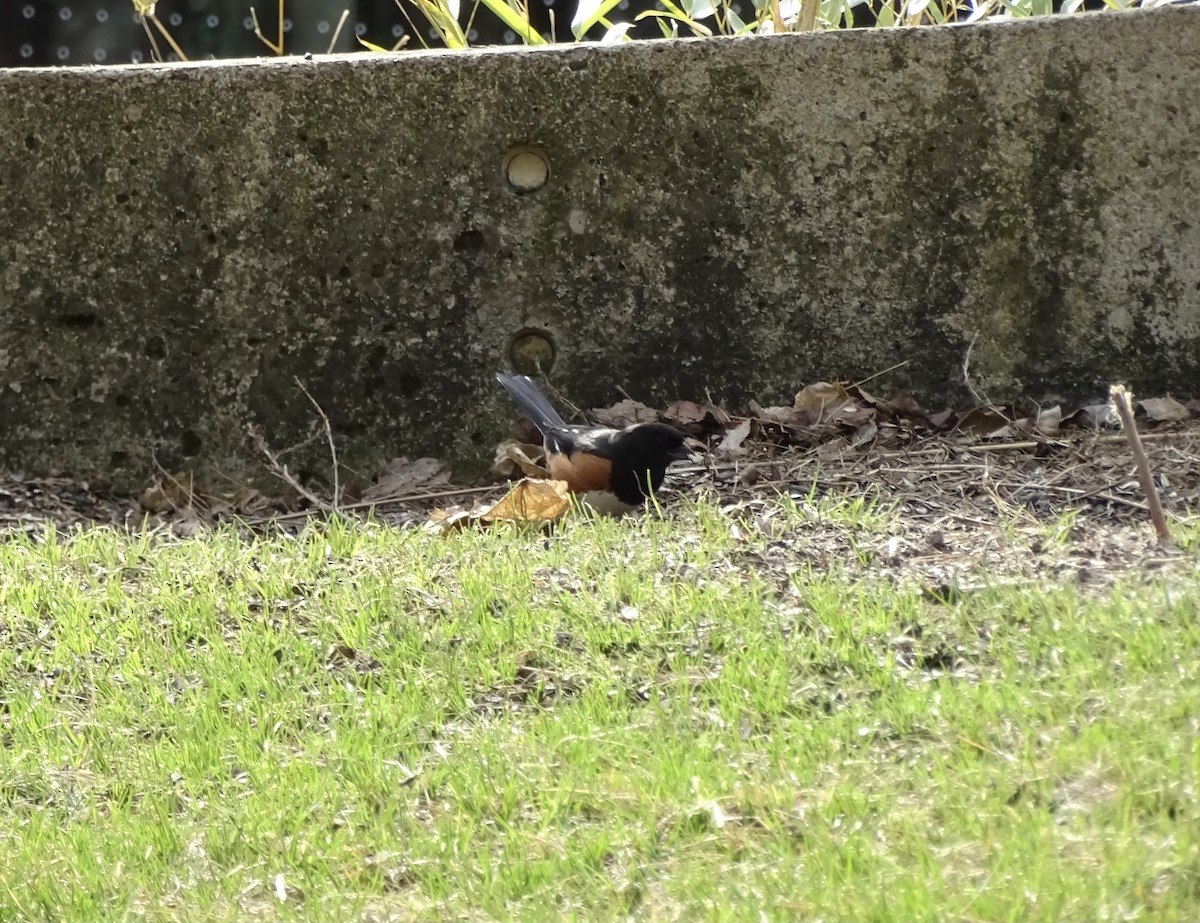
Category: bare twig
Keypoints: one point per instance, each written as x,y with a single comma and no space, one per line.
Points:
562,398
280,470
1077,495
385,501
412,25
880,374
276,47
337,485
1014,446
155,54
1123,403
975,393
1008,758
337,31
167,35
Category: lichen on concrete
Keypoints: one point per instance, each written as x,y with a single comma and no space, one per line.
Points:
183,247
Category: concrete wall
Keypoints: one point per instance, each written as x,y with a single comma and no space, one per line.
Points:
179,244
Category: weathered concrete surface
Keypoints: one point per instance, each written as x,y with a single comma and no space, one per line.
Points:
179,244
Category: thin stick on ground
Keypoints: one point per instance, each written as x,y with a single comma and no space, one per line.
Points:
879,374
337,485
280,470
1123,402
382,501
983,399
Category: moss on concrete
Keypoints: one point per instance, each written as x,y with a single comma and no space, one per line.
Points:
179,245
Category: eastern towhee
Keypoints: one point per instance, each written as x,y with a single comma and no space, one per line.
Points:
629,464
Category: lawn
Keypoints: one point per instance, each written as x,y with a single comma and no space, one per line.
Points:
723,711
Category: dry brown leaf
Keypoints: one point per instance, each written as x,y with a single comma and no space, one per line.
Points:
1163,410
685,413
244,502
823,399
1017,429
901,404
626,413
783,416
1092,416
694,418
731,445
832,448
518,459
983,421
407,477
756,473
531,501
865,434
185,523
904,404
853,415
170,492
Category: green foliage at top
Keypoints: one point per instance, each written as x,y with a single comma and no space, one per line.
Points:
451,21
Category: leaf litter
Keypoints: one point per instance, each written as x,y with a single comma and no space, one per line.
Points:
958,483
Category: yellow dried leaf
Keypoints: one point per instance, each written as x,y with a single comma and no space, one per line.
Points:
822,398
171,492
531,501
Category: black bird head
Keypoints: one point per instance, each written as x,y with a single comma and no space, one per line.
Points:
641,456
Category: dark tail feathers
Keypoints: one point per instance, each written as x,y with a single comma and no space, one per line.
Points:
525,392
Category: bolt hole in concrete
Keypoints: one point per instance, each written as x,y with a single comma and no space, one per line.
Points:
88,319
190,443
526,169
532,351
155,348
469,240
410,384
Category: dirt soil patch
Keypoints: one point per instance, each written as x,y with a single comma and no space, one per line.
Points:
944,505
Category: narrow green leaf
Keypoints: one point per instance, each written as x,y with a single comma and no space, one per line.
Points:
515,21
588,13
661,15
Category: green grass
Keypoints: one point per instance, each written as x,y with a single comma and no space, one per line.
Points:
664,719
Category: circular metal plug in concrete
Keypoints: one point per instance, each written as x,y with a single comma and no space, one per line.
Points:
532,351
527,169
